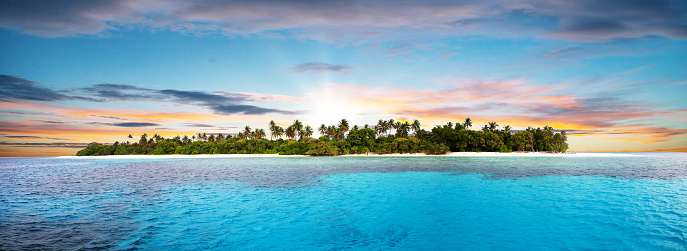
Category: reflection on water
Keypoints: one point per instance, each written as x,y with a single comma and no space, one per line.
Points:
332,203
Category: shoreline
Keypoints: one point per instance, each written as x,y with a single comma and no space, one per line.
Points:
452,154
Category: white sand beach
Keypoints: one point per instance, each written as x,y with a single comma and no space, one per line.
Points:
498,154
180,156
453,154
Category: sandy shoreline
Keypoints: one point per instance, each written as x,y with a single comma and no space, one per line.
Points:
453,154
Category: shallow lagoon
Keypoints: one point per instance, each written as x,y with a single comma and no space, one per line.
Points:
346,202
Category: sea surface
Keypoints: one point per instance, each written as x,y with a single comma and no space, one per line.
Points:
335,203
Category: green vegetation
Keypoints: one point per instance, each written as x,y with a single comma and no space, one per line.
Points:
384,138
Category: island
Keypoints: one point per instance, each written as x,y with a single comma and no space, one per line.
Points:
386,137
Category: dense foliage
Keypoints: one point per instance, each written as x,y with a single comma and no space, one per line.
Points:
341,139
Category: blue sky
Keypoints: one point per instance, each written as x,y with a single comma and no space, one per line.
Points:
611,73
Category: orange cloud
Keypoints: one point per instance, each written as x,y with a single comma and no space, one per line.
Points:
513,102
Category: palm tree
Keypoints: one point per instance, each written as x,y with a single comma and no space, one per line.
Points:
402,129
338,134
211,138
301,134
493,126
144,139
390,125
220,137
186,140
380,127
130,137
331,130
416,126
308,132
246,132
506,128
397,126
205,137
297,126
468,123
259,134
343,125
291,132
322,129
200,136
279,131
273,129
193,138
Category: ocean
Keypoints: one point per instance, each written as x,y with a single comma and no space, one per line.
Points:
334,203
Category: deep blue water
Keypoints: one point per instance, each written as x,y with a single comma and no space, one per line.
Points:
429,203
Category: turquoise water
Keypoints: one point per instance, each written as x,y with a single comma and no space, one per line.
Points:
429,203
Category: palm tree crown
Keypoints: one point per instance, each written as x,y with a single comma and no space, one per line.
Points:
343,125
322,129
308,132
468,123
416,126
273,129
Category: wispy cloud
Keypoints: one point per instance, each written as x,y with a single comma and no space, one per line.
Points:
135,124
521,104
197,125
319,67
30,137
67,145
13,89
354,20
16,89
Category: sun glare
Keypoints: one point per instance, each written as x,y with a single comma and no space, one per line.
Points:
330,107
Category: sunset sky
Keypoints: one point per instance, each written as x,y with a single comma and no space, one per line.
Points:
613,74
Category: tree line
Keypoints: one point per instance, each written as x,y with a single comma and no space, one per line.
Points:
387,136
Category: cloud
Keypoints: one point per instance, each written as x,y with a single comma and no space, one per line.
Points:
197,125
352,21
247,110
591,51
404,47
135,124
446,55
52,122
198,96
519,103
30,137
676,149
107,92
14,89
595,27
67,145
226,103
319,67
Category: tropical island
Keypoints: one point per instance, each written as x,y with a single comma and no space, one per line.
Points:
386,137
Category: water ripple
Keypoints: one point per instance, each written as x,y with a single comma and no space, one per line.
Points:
342,203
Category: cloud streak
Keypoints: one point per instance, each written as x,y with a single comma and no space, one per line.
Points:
352,20
67,145
521,104
319,67
135,124
14,89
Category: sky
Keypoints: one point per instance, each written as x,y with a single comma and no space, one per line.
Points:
612,74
